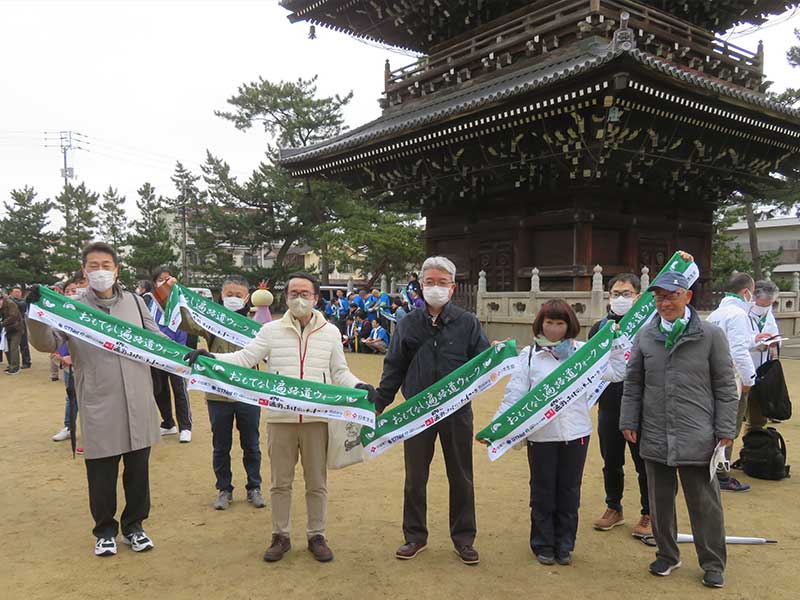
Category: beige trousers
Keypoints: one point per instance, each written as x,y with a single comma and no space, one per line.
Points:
285,442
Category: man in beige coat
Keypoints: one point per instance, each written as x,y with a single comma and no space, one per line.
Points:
116,406
302,345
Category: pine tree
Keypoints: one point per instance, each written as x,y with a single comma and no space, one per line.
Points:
77,207
24,255
113,225
189,206
151,243
275,210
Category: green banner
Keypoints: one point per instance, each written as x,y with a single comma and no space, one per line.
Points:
441,399
277,392
286,394
100,329
211,316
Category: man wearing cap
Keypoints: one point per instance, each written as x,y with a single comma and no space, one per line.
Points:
678,403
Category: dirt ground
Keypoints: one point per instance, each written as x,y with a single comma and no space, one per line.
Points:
47,548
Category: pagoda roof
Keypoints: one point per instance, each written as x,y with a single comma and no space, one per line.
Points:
421,25
590,55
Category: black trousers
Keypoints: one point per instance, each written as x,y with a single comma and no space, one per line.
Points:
612,449
455,436
102,474
162,382
222,416
24,349
556,473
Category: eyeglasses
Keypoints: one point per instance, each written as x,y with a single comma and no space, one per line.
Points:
625,294
304,295
440,283
660,298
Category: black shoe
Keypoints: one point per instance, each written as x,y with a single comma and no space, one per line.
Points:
713,579
663,568
564,559
12,371
468,555
546,558
28,366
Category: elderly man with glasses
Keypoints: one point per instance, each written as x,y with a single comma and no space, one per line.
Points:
679,404
302,345
428,345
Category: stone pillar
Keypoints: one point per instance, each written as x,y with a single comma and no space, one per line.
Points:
384,284
796,282
535,284
536,288
350,285
392,287
479,308
645,279
768,275
597,310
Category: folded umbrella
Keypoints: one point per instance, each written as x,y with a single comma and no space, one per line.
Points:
73,409
686,538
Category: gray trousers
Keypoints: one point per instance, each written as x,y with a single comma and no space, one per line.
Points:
705,513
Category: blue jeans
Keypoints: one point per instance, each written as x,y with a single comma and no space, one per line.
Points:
66,402
222,415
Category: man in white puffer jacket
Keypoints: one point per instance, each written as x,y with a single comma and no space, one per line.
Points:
733,318
302,345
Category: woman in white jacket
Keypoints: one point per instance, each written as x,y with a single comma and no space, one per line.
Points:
557,451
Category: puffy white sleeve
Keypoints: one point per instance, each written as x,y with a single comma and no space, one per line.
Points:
740,339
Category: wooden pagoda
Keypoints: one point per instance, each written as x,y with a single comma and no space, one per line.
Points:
559,133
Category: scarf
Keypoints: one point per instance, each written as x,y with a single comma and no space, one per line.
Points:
674,330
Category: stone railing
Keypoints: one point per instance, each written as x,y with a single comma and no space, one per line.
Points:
510,314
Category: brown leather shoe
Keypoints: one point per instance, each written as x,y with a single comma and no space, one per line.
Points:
643,528
409,550
468,555
610,519
319,548
280,545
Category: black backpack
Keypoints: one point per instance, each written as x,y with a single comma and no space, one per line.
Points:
770,391
764,454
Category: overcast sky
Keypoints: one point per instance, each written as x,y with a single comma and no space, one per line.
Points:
141,80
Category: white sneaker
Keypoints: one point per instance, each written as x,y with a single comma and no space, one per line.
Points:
105,547
138,541
170,431
61,435
186,436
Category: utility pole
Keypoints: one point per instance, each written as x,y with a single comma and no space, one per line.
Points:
184,257
65,144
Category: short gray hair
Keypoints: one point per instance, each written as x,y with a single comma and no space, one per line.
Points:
441,263
766,289
236,280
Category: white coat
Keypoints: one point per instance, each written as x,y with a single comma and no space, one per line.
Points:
732,317
770,326
315,353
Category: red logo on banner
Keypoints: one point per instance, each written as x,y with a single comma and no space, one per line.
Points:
263,402
429,422
550,414
193,381
40,313
108,346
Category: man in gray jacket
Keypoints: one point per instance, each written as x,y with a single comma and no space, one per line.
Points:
679,402
118,414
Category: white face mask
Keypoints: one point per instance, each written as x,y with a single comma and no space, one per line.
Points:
621,305
300,307
760,311
436,296
233,303
101,281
